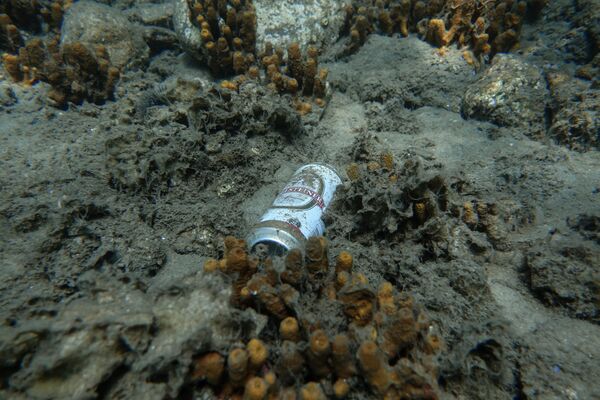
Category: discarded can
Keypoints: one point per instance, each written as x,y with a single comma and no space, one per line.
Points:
296,212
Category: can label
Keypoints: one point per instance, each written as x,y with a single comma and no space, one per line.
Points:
297,210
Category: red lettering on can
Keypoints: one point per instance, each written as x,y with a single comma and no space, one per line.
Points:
311,193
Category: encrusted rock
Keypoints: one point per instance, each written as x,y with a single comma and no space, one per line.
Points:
575,106
510,93
315,22
306,22
96,24
563,277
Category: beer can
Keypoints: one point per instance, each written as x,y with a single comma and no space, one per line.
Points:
296,214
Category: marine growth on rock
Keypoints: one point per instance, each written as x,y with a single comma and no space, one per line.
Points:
375,340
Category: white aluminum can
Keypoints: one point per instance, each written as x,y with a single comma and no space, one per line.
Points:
296,213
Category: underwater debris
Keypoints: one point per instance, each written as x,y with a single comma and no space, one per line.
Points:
384,334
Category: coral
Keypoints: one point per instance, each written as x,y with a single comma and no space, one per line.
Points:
485,27
395,199
316,255
10,37
255,389
485,217
577,124
341,388
209,366
399,331
318,353
312,391
75,72
17,16
343,262
211,265
291,362
237,366
26,14
228,33
257,353
385,299
229,44
342,359
294,268
396,344
373,365
289,330
358,300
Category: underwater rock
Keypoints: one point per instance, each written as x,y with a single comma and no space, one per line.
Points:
509,94
314,22
153,14
575,109
306,22
564,277
481,28
95,24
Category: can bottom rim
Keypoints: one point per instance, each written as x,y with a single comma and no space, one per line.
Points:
277,240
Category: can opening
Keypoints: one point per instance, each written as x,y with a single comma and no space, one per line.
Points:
269,248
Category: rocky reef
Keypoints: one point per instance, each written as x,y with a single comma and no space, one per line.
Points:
483,28
76,70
